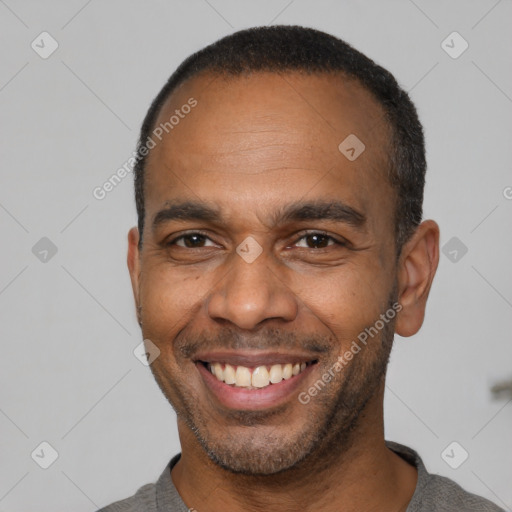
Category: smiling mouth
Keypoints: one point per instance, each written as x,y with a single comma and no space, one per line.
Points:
257,377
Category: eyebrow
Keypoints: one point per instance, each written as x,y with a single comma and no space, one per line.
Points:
299,211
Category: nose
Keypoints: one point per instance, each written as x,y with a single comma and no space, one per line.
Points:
250,293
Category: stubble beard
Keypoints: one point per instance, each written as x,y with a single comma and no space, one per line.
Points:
331,422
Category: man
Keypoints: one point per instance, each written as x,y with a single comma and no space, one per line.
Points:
280,245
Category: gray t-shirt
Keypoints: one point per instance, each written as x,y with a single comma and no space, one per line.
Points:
433,493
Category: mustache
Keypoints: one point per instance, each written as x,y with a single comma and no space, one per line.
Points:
269,339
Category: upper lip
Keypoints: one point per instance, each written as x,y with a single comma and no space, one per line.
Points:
253,358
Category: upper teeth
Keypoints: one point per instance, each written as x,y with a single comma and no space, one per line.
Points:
258,377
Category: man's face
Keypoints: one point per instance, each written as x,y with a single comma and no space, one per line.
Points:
254,149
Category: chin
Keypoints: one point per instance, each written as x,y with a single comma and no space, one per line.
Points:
256,462
257,451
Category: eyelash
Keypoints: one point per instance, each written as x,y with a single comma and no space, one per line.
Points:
303,235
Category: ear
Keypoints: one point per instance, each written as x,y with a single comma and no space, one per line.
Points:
416,269
133,260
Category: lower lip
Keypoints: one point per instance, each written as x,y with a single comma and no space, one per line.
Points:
235,398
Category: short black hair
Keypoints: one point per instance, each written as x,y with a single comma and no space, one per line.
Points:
282,48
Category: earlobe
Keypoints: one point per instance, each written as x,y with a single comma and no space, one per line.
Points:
417,266
133,261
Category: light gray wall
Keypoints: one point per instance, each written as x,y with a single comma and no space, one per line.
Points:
67,372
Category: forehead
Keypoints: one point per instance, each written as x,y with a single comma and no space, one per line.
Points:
258,139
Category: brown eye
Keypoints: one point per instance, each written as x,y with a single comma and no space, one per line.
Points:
318,241
190,241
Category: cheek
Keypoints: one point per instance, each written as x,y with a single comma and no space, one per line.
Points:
167,293
346,300
169,300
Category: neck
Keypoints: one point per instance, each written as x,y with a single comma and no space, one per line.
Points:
363,475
